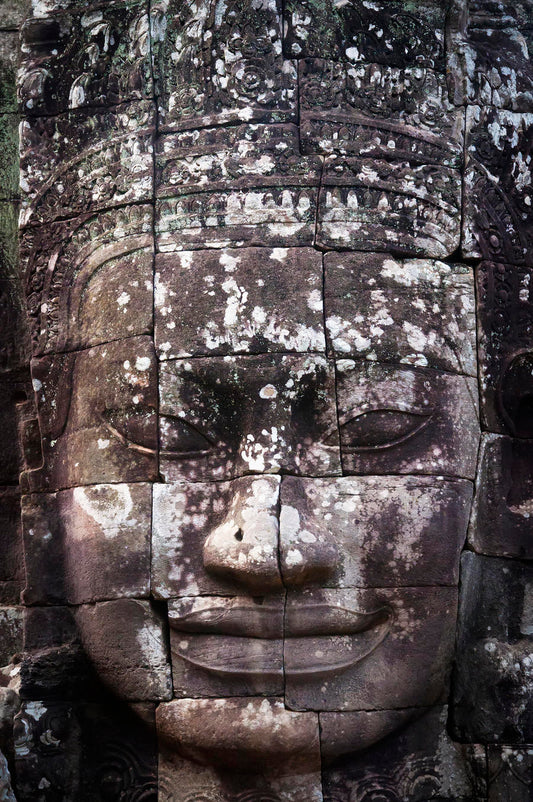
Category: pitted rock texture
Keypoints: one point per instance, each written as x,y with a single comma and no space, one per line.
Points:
250,233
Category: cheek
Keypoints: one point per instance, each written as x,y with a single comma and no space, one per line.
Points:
387,531
125,642
106,533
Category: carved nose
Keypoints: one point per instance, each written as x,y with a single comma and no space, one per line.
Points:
244,548
307,557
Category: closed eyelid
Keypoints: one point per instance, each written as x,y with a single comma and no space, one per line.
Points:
406,432
425,412
202,443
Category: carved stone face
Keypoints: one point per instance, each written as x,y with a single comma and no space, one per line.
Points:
274,472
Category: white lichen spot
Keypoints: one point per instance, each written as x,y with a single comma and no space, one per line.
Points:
268,391
142,363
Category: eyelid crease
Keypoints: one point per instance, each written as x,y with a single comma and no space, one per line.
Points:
209,436
419,411
426,416
128,443
196,453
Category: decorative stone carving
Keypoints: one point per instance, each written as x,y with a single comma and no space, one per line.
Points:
406,420
367,649
239,74
83,56
387,33
77,162
489,55
89,280
505,342
370,110
510,776
497,203
380,206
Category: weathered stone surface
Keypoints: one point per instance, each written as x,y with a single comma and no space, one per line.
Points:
97,415
47,752
10,634
54,666
215,538
79,162
247,300
371,649
377,205
224,416
89,280
492,700
87,544
406,420
6,790
510,771
14,389
249,734
505,344
498,193
368,531
125,642
419,764
344,734
501,515
418,312
396,33
86,55
489,55
374,111
12,13
12,564
221,67
270,217
226,647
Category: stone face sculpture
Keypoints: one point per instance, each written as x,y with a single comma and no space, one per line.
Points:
248,233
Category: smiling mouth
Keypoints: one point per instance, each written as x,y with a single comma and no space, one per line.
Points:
265,642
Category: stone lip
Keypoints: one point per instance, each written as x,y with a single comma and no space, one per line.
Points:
321,638
306,620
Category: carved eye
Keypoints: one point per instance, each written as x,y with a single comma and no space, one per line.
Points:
180,439
135,427
381,428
